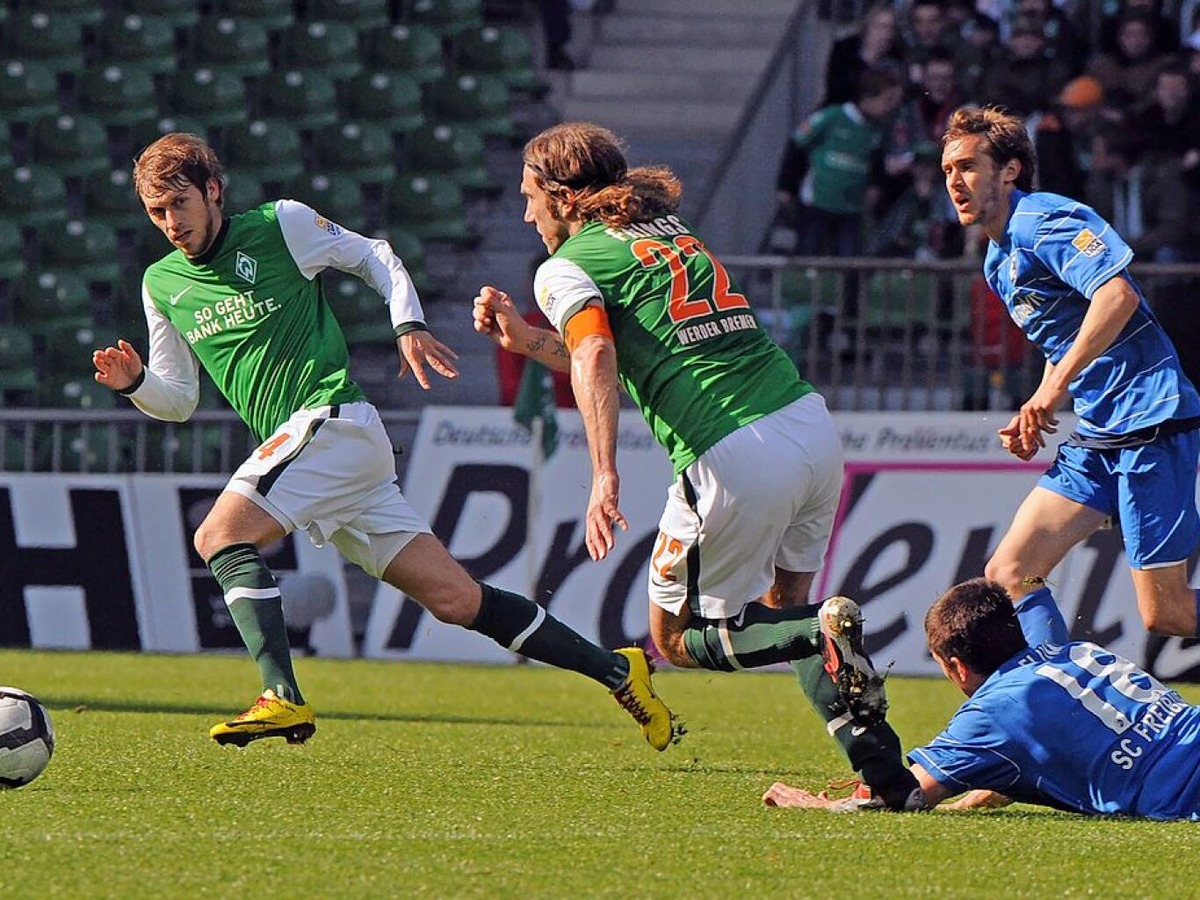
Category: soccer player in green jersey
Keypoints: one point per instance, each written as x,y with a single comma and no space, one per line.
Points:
639,301
240,297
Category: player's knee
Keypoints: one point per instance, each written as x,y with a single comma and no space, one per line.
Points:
674,651
451,606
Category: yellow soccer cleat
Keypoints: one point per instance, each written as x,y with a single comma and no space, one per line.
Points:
270,716
659,725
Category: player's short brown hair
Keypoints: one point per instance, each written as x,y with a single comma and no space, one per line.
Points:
174,162
976,622
1005,134
583,168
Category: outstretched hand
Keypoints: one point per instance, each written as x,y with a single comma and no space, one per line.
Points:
784,795
117,367
420,348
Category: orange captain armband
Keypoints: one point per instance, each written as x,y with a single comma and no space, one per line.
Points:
589,320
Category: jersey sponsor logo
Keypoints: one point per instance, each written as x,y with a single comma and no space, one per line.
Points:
246,267
325,225
175,298
1087,243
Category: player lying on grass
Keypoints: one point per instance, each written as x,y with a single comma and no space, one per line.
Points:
1049,721
241,296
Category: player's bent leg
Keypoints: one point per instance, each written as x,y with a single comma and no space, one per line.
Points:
1045,527
427,572
1168,605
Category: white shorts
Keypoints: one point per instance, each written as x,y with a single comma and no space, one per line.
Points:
762,497
331,472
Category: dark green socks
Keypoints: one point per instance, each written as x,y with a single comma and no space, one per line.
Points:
252,596
757,636
523,627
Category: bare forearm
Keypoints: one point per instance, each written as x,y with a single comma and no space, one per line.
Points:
547,348
1111,308
594,380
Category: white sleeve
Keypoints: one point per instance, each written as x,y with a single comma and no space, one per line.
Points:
171,388
317,243
563,289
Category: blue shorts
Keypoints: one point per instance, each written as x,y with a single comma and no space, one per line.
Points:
1150,490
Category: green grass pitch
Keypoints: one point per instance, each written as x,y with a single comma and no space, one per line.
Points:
446,781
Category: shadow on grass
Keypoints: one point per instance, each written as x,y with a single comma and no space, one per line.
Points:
83,705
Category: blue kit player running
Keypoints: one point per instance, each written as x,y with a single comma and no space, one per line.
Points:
1061,271
1056,723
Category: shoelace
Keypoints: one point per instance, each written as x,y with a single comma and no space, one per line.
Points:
260,702
627,699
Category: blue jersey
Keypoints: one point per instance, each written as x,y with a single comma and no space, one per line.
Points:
1073,726
1053,256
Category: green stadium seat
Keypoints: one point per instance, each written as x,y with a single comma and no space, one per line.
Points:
88,447
242,192
411,251
55,42
74,145
305,98
28,91
143,134
86,247
215,97
17,366
110,198
359,309
6,154
267,150
12,259
503,52
273,15
454,151
70,351
180,14
47,301
392,99
32,196
195,447
145,42
118,95
481,101
238,45
431,207
415,50
77,12
901,300
359,14
363,150
446,17
334,195
329,47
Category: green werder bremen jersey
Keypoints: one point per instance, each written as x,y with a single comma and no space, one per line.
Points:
261,327
690,352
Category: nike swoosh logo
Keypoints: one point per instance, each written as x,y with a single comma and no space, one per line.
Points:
175,298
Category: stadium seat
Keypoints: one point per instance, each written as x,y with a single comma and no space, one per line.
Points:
306,99
215,97
481,101
446,17
900,300
12,259
46,301
411,251
74,145
145,42
88,447
86,247
180,14
46,38
32,196
360,149
391,99
273,15
431,207
145,133
503,52
238,45
414,50
267,150
242,192
6,154
329,47
17,369
70,351
76,12
118,95
110,198
454,151
336,196
359,14
28,91
359,309
192,448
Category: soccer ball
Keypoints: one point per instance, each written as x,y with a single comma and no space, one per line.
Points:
26,737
